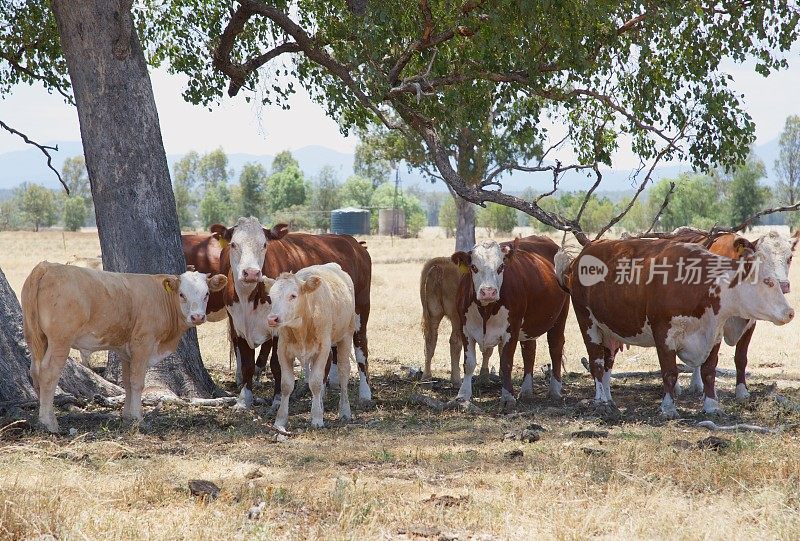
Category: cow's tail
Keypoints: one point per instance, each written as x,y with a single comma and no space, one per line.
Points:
562,263
232,344
430,283
37,340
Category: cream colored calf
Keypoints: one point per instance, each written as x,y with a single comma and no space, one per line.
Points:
139,316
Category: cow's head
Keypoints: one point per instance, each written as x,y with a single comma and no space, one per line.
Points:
287,296
247,241
776,252
192,289
486,262
765,298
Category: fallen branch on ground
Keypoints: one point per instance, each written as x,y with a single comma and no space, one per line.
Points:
741,427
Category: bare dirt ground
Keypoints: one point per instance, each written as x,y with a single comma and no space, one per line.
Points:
402,470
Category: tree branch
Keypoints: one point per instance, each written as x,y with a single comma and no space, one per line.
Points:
661,208
16,66
44,148
788,208
586,199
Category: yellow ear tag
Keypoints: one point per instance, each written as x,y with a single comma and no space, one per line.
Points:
462,268
222,242
167,287
741,250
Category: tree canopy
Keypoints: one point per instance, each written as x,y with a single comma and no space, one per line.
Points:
609,71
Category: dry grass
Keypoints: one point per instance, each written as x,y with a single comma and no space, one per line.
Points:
372,479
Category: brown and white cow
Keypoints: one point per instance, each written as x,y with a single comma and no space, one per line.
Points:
313,311
778,249
509,296
673,296
438,289
139,316
252,252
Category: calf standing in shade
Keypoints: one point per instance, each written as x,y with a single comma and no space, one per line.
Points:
312,311
141,317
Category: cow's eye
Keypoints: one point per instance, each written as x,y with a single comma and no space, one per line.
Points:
206,296
265,245
234,246
183,296
501,268
770,282
292,297
474,269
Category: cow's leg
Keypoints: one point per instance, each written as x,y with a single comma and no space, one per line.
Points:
597,368
430,331
332,366
555,343
608,365
261,362
455,356
125,364
343,354
287,385
138,367
246,357
528,359
50,368
315,377
486,355
669,376
470,361
695,383
507,350
740,359
709,373
275,368
362,357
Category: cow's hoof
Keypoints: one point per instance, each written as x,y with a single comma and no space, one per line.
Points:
711,406
50,426
742,394
317,423
669,413
345,417
554,392
678,389
507,401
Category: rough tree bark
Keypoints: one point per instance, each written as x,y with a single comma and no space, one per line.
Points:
127,164
465,224
15,361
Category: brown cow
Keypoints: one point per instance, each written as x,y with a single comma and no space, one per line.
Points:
670,295
139,316
509,296
438,291
252,252
738,331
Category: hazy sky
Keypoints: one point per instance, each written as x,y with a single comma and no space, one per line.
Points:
241,127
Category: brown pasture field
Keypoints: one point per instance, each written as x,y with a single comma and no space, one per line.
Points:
404,471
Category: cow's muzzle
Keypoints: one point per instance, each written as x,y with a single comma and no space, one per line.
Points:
488,294
197,319
251,276
273,320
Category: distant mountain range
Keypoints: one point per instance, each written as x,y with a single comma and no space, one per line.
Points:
29,165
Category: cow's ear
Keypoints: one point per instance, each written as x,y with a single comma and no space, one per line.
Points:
217,282
222,234
509,250
277,232
742,246
310,284
190,268
171,284
463,260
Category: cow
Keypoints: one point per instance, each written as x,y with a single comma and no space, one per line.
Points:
737,331
673,296
438,290
139,316
251,252
507,296
312,311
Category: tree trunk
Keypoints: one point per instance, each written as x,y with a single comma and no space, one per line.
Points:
465,224
127,164
15,361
